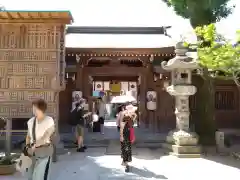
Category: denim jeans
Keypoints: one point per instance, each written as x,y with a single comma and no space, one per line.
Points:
40,169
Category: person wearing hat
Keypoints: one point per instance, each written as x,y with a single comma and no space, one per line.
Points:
80,125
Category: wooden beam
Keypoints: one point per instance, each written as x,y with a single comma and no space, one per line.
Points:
25,21
14,15
20,16
46,15
34,15
40,15
29,15
118,71
168,51
9,15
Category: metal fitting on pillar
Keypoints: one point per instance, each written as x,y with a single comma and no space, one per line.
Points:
78,58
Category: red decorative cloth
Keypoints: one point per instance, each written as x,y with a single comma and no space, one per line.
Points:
132,137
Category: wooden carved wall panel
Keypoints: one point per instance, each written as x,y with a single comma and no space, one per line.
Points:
9,36
22,110
13,96
3,70
29,82
47,95
47,68
30,56
27,36
22,69
22,55
31,69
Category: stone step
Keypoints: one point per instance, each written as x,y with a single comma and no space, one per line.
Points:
149,144
185,155
93,143
106,143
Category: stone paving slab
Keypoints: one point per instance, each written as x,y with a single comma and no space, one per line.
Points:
147,164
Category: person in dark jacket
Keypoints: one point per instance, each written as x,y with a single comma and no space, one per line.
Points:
79,130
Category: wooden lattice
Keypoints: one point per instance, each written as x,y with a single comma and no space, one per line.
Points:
32,64
225,100
28,55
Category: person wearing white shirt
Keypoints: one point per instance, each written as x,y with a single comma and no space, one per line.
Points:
101,114
39,140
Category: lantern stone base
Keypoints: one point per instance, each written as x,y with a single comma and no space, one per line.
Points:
183,144
186,151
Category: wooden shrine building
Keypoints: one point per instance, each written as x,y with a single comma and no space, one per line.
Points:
40,58
143,65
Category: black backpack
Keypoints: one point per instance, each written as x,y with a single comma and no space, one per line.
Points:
73,120
80,114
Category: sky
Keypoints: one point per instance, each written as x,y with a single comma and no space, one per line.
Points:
125,13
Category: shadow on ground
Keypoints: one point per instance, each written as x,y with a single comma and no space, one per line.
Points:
226,160
95,165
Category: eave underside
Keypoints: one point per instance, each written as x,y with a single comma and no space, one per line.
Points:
36,17
120,52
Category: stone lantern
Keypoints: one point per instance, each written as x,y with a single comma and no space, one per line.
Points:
184,143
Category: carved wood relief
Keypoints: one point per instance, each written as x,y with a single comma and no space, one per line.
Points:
32,63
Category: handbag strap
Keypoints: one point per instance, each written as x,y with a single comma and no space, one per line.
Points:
34,130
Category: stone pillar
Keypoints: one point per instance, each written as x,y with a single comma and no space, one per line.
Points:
183,142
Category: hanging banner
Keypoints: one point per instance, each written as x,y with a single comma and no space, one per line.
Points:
96,93
132,86
115,87
98,85
106,86
124,86
151,100
76,96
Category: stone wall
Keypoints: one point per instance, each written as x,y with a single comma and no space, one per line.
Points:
32,65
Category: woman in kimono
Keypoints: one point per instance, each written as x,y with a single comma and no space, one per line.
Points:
126,122
38,141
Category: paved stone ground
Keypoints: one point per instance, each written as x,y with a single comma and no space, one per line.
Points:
147,164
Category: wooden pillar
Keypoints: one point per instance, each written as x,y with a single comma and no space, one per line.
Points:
8,135
150,87
58,145
80,74
142,106
88,89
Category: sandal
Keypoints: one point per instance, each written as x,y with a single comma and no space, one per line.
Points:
127,169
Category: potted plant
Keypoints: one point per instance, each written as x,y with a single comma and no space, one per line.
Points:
8,164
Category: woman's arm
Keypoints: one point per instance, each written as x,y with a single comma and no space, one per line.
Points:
134,117
121,124
118,119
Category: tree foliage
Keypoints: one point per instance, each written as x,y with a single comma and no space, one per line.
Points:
223,56
201,12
